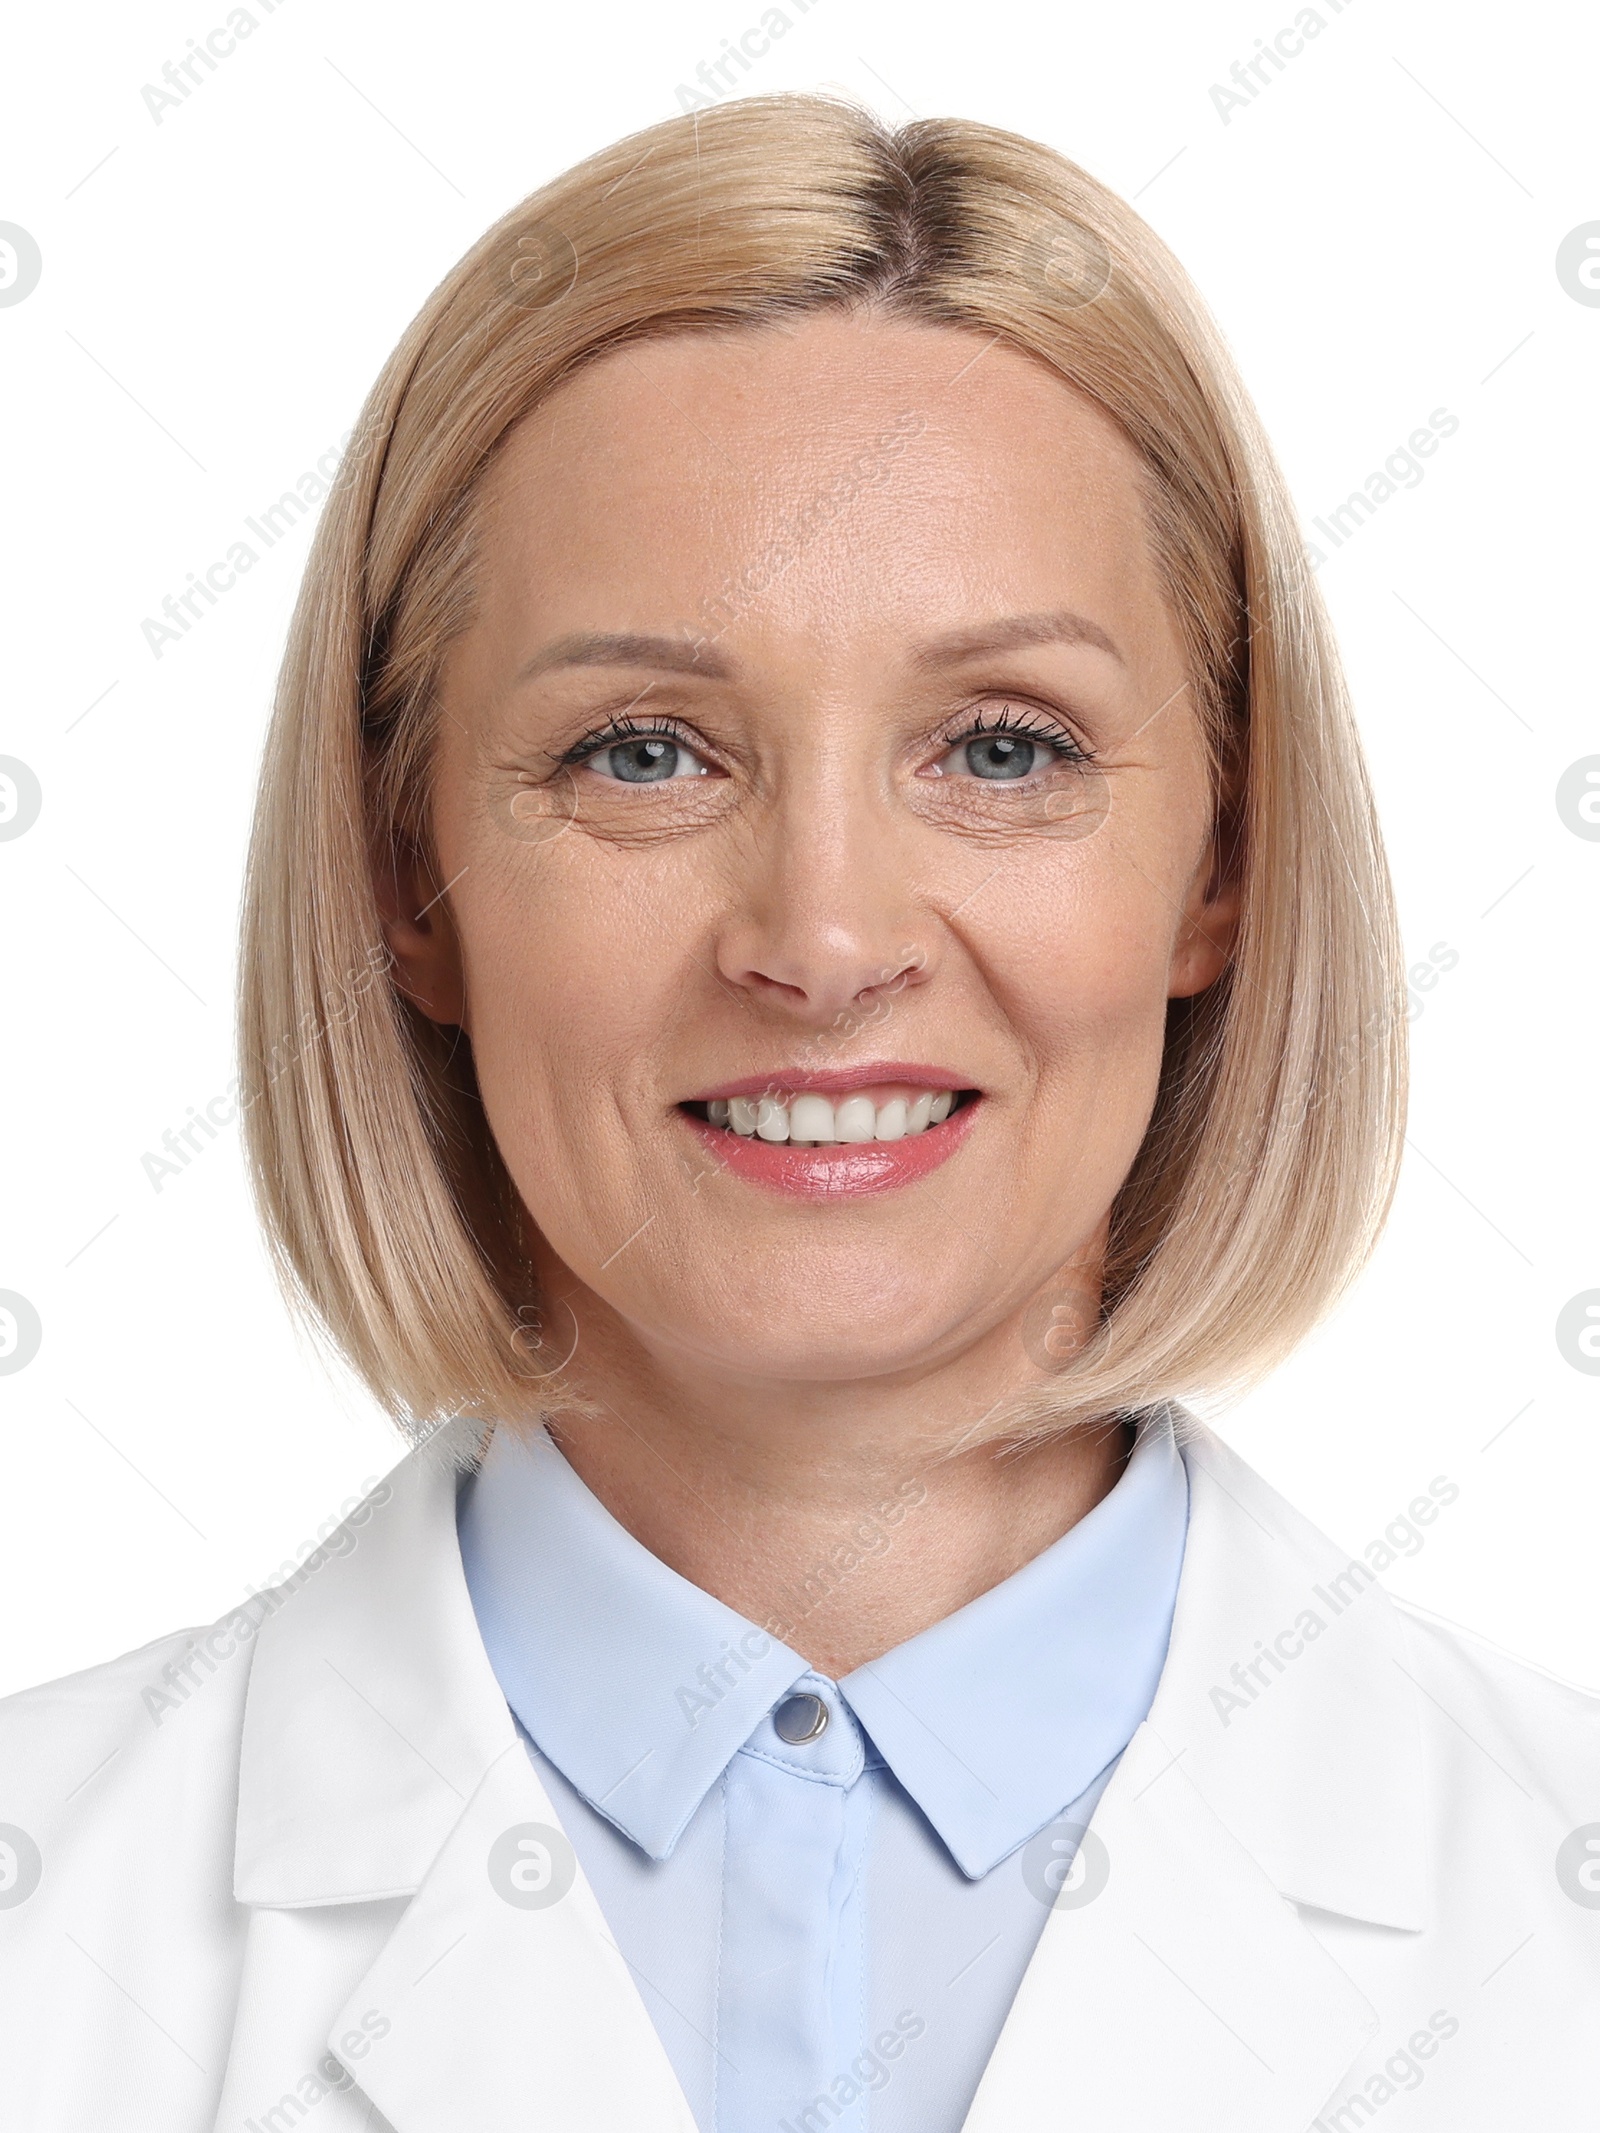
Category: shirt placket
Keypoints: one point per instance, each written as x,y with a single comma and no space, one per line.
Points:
792,1983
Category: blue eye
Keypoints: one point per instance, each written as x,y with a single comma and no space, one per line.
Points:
1002,755
1005,751
645,759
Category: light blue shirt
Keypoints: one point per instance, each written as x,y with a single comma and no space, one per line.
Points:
827,1934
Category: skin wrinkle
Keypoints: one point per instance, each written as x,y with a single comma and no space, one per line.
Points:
785,1365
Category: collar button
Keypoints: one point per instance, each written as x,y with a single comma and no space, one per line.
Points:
800,1718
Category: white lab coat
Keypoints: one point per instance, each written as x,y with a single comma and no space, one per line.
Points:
263,1899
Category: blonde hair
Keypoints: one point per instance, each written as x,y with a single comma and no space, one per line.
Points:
1271,1154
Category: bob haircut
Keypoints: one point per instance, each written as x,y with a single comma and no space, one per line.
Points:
1271,1154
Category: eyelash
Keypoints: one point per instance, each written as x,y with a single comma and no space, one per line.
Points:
1030,726
619,730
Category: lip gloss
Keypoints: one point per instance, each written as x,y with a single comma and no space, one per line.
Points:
843,1170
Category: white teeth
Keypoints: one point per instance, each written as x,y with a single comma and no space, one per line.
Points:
856,1119
892,1120
810,1119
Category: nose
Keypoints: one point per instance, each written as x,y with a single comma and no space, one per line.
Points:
826,924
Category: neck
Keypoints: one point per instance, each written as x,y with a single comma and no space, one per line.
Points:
843,1519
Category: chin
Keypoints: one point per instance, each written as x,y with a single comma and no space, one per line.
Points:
834,1336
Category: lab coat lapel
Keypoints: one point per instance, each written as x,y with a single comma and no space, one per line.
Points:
1186,1993
504,2010
379,1762
1188,1990
372,1711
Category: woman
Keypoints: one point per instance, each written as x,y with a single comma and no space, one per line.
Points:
816,957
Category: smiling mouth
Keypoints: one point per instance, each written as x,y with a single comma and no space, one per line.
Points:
889,1112
863,1131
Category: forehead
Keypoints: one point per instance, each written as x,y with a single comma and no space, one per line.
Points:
840,472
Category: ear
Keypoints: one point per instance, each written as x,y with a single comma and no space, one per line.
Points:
1209,926
420,930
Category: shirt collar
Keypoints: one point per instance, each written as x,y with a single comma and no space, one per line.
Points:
637,1685
641,1688
1006,1712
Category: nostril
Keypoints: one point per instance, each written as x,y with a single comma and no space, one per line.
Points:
758,981
821,969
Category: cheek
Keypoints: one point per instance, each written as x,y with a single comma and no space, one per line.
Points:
1079,949
574,973
1078,967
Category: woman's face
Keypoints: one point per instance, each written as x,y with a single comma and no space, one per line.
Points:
821,751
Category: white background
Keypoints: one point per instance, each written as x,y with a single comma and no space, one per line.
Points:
1377,233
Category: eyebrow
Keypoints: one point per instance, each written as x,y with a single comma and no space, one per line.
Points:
1011,633
627,648
685,655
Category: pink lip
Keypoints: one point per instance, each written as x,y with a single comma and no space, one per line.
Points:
846,1169
838,1083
